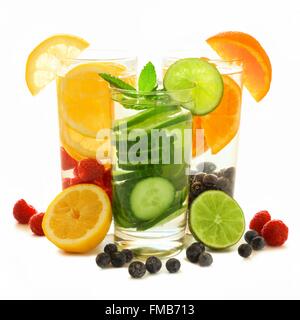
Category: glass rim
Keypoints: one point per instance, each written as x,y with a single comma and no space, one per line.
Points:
234,66
151,93
100,55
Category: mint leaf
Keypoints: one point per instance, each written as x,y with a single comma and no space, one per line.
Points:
148,79
116,82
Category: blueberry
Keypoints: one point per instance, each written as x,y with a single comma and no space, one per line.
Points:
153,264
229,173
173,265
205,259
199,177
223,183
103,260
193,251
250,235
196,188
118,259
245,250
128,255
191,177
137,269
210,180
207,167
110,248
258,243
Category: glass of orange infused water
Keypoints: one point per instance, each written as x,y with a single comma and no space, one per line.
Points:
215,132
86,114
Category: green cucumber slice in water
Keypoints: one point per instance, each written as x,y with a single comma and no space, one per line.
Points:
151,197
169,215
217,220
204,80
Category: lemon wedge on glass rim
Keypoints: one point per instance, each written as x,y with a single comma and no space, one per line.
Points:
49,57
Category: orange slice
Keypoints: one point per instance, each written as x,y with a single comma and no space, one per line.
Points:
257,65
49,57
78,219
199,144
222,125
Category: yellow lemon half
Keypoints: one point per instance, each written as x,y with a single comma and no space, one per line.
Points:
78,219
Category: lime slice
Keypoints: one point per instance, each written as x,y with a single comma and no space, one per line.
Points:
217,220
204,80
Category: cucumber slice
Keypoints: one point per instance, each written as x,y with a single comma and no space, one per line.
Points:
204,80
146,171
176,173
169,215
141,116
151,197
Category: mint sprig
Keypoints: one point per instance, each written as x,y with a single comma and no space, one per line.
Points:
116,82
148,79
146,96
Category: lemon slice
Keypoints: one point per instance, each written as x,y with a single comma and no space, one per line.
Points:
78,219
49,57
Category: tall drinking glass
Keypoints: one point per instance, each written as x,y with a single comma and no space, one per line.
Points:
151,161
85,111
215,135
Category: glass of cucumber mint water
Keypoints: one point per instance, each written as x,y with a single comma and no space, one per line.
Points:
150,172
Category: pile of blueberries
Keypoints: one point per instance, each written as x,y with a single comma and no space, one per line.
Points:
137,269
254,242
207,177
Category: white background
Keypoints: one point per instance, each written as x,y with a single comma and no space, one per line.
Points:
268,175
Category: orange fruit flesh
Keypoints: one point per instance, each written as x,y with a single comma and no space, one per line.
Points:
222,125
199,144
256,63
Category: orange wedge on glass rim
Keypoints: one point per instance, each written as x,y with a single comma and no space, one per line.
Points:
78,219
49,57
233,45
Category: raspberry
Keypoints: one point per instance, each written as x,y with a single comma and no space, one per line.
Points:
99,183
69,182
107,178
108,192
275,233
90,170
35,224
67,162
23,211
259,220
75,171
